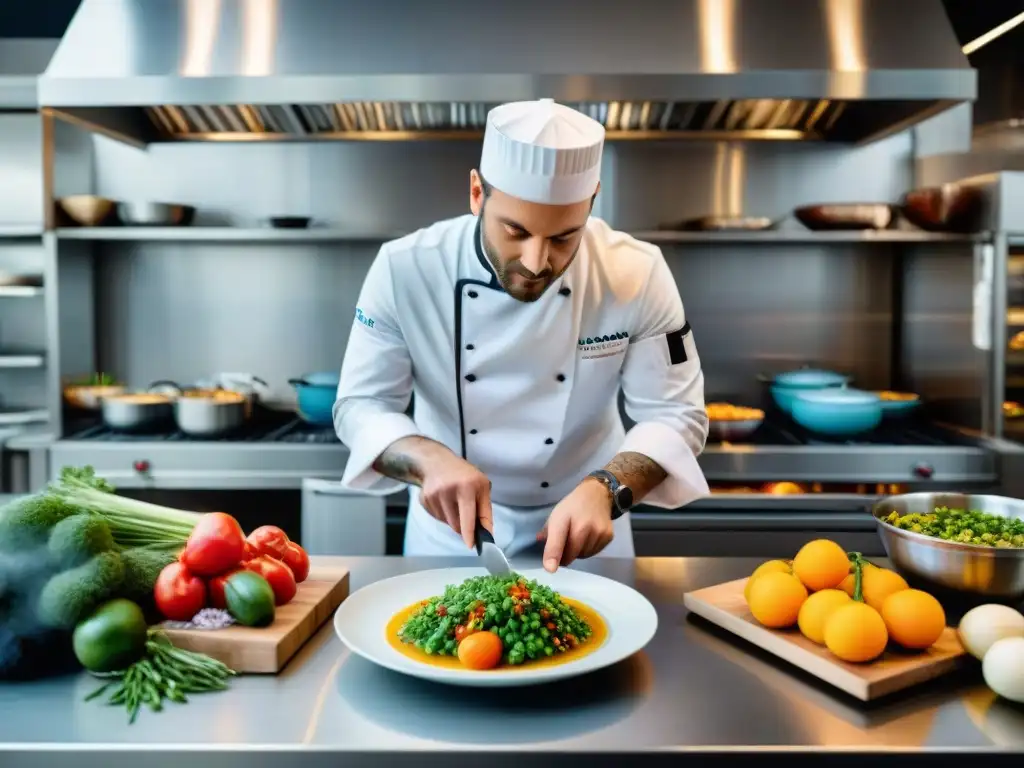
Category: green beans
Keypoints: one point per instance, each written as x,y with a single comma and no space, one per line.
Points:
165,672
531,619
962,525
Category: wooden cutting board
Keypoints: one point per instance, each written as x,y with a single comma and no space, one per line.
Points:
268,649
725,606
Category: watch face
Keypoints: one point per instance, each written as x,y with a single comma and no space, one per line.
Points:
624,498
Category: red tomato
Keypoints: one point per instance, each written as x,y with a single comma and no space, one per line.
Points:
277,574
295,557
269,540
216,545
215,586
179,594
249,553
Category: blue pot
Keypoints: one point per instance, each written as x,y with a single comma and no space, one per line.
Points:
837,412
785,386
784,396
316,393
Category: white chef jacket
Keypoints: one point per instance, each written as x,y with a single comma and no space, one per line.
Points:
526,392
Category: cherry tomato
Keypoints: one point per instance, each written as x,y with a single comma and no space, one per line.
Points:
215,588
249,553
269,540
277,574
179,593
295,557
481,650
216,545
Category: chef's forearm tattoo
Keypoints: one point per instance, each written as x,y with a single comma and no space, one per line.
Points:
404,459
641,474
399,466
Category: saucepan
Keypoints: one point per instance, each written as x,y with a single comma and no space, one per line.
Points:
785,386
837,411
149,410
210,412
316,393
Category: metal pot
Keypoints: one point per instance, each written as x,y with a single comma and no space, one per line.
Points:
316,393
210,412
144,411
255,389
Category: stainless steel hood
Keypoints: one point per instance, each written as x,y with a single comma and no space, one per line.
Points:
240,70
22,60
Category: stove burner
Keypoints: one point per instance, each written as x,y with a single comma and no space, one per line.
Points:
294,431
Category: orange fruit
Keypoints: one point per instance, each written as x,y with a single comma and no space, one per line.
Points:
816,610
775,599
772,566
821,564
855,632
481,650
878,583
913,618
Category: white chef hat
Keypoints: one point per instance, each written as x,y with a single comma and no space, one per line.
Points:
542,152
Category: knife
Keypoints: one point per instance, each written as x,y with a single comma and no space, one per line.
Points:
494,559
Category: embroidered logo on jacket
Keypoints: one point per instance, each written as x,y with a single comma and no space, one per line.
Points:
367,321
602,346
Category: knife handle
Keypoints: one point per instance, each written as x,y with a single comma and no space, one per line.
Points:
483,536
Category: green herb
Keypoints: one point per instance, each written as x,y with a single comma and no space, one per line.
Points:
165,673
964,526
530,618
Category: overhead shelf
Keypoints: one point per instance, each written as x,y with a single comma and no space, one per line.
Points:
331,235
19,231
20,291
18,359
222,234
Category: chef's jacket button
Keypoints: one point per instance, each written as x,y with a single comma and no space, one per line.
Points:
545,484
565,292
470,377
560,377
470,347
549,441
472,431
473,294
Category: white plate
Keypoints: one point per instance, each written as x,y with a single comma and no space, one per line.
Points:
362,619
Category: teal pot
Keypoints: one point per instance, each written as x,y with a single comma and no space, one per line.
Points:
837,412
315,394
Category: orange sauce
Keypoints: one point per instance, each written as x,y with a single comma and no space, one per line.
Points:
598,635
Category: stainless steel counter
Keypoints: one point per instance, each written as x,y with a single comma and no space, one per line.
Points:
693,690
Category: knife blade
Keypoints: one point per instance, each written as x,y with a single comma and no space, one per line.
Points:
494,559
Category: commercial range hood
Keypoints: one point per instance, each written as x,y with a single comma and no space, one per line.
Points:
22,60
242,70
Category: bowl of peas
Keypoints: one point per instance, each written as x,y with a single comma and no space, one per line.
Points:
967,543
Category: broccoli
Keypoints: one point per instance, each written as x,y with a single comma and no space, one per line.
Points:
71,595
26,523
141,567
77,538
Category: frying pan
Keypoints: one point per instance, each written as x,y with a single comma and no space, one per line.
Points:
845,216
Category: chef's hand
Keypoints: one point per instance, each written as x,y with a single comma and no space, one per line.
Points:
580,526
457,493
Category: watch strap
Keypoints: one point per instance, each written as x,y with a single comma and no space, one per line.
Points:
613,485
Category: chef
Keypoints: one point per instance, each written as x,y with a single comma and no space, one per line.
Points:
515,327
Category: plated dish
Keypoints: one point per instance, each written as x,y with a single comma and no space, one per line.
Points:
461,626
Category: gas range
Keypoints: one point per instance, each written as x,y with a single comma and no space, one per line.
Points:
908,450
273,453
292,431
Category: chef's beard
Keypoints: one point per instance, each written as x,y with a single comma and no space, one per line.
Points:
505,271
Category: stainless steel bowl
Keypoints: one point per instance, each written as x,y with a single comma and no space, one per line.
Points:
155,214
736,429
970,569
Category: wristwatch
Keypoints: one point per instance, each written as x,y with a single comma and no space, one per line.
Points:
622,495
